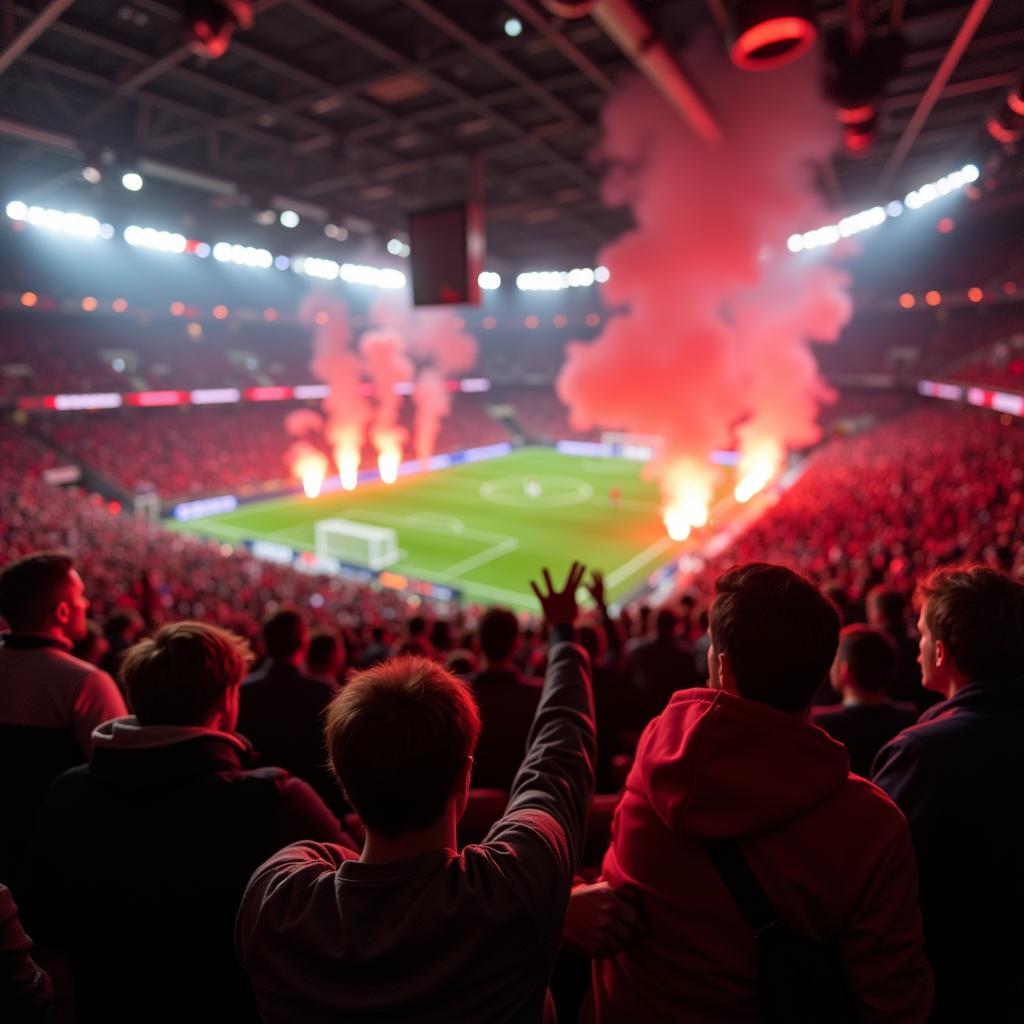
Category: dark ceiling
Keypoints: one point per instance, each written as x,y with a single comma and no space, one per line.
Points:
359,111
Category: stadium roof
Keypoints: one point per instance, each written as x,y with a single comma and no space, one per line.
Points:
356,112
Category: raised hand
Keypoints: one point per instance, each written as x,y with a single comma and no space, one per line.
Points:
559,606
595,588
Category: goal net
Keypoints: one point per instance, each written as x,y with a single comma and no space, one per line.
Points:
375,547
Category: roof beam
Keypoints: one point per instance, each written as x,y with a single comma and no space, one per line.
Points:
931,95
385,53
32,31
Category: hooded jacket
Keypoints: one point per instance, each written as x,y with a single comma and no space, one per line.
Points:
140,861
830,850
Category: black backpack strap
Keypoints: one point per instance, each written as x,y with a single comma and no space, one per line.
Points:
732,867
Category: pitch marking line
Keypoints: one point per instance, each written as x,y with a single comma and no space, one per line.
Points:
624,571
482,557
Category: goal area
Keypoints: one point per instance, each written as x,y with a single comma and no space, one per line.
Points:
375,547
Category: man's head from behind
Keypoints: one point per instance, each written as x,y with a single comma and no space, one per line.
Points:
972,627
188,674
865,660
886,607
773,636
285,635
326,654
499,634
42,593
400,738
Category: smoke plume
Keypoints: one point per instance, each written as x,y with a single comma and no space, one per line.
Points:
708,340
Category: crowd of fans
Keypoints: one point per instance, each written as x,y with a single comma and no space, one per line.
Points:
870,517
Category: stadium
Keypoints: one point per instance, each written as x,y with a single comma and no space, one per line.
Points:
336,334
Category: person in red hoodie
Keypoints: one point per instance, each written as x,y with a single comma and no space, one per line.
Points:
740,762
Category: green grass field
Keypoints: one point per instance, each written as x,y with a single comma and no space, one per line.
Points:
475,528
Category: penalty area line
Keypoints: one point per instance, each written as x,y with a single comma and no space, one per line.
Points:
506,547
626,570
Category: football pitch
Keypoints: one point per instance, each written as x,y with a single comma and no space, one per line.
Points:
486,528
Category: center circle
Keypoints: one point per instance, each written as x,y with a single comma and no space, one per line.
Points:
537,491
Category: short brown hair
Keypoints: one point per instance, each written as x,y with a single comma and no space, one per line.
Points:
29,588
397,736
871,655
978,614
178,676
779,631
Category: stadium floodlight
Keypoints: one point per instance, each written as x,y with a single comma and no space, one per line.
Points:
289,219
242,255
132,181
557,280
829,234
397,247
489,280
513,27
601,274
92,174
76,224
151,238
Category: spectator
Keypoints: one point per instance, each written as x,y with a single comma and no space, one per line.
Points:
958,776
417,641
506,699
461,662
141,857
93,646
412,929
122,630
658,666
325,658
50,702
377,649
282,708
700,650
25,990
867,719
739,763
887,610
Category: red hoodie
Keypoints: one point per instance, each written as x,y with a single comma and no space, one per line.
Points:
830,849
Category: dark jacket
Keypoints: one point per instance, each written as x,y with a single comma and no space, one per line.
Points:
507,702
50,702
864,728
657,668
442,937
282,712
140,860
25,990
958,776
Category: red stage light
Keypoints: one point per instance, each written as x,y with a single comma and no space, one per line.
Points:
593,319
321,319
177,308
270,315
532,321
220,312
975,294
772,43
29,299
119,305
89,304
907,301
933,298
946,225
1010,288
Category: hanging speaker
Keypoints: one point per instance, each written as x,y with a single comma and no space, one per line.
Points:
447,255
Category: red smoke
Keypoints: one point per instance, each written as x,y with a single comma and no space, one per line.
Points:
707,342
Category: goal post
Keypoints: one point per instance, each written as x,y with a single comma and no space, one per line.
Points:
375,547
